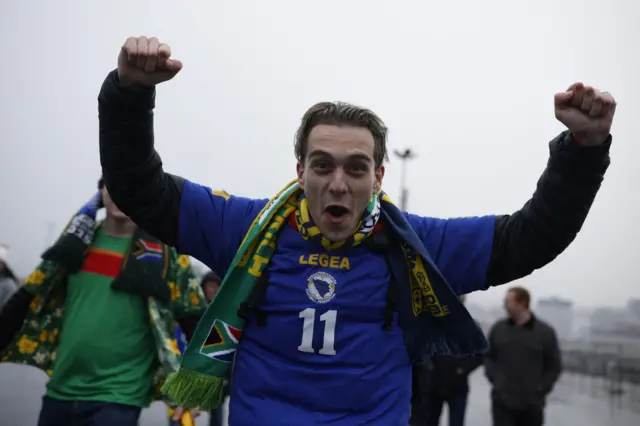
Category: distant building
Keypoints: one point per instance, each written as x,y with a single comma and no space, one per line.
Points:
618,329
559,314
581,323
634,307
605,320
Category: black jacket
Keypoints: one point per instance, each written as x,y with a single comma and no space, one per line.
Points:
448,375
523,363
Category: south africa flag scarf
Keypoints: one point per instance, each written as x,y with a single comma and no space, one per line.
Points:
431,316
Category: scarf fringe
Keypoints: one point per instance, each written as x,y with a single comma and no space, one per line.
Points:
459,340
190,389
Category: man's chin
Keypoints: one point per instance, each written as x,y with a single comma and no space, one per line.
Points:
119,216
337,232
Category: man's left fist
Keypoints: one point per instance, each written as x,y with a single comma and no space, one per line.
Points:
587,112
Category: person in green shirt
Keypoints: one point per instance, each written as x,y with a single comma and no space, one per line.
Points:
97,316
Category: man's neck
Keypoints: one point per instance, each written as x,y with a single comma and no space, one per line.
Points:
118,227
522,318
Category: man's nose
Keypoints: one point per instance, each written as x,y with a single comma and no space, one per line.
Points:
338,184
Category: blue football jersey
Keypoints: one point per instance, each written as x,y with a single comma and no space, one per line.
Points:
323,357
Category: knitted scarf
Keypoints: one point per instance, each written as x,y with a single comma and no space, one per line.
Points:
145,265
431,316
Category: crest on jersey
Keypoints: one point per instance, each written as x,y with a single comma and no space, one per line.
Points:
321,287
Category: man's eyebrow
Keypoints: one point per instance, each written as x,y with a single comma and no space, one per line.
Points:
360,157
356,156
319,153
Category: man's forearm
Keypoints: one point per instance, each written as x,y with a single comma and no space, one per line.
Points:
536,234
131,168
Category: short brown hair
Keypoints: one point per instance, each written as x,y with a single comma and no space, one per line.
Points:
522,295
342,113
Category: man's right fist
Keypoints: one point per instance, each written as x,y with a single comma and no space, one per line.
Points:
146,62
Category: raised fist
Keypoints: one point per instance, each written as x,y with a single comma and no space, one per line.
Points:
146,62
587,112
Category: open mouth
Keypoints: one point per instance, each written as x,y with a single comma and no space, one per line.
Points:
336,212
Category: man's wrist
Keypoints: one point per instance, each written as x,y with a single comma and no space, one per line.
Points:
589,139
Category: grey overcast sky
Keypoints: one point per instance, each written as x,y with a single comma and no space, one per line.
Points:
467,84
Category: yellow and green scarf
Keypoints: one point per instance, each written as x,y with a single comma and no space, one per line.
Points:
432,318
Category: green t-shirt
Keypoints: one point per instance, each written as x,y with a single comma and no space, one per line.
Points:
107,351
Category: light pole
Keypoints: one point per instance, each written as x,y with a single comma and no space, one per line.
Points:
404,156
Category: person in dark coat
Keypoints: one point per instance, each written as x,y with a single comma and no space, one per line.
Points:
450,385
523,364
440,380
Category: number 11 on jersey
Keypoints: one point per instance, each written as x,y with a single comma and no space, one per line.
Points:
328,337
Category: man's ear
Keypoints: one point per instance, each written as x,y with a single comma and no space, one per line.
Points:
377,184
300,172
100,203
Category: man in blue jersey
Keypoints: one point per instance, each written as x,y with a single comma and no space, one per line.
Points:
316,352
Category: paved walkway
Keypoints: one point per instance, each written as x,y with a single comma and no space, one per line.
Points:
566,406
21,389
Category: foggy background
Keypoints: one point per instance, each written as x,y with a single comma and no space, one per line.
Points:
468,85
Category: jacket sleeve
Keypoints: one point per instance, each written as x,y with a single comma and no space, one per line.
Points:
536,234
199,221
474,253
552,362
131,168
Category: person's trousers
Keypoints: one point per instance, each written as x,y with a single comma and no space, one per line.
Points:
457,404
503,416
55,412
215,417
